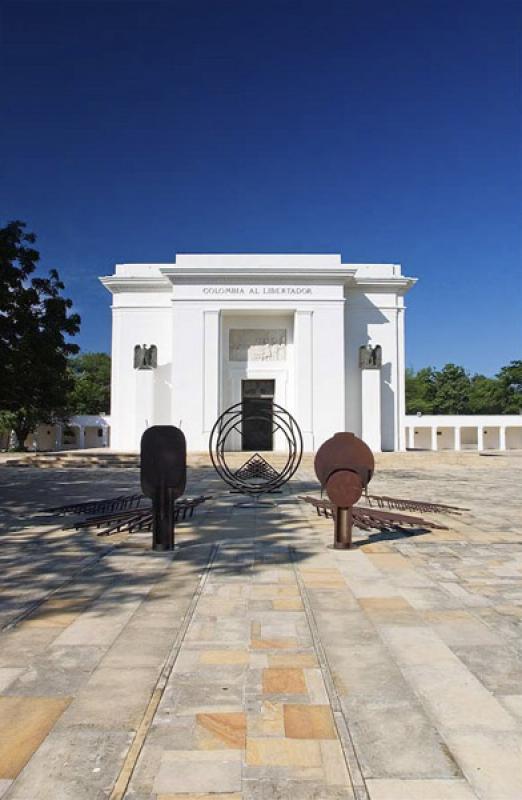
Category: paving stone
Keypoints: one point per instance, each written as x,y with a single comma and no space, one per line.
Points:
497,668
274,644
284,681
283,752
79,764
420,790
19,647
288,789
189,771
26,721
308,722
460,627
112,698
226,730
292,660
213,796
457,699
315,687
58,611
491,761
269,721
513,703
8,676
334,764
58,671
287,604
224,657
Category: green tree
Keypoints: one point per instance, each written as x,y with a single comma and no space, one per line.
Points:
452,390
510,380
91,393
485,396
35,323
420,390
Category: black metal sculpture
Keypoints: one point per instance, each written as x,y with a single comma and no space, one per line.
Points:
163,478
256,475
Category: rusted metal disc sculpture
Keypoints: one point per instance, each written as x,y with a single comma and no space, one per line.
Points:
344,466
256,475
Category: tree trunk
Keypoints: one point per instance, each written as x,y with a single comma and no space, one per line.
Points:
21,436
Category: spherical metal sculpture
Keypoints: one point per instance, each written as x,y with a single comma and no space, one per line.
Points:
256,475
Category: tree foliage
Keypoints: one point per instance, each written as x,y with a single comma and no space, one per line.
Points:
35,326
91,392
452,390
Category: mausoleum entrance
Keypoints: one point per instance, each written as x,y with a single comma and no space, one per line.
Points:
257,368
257,427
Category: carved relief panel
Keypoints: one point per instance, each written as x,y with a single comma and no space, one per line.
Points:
257,344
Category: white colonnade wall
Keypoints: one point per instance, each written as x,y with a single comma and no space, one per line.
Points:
463,432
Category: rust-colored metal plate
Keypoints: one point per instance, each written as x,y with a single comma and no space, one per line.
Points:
344,488
344,451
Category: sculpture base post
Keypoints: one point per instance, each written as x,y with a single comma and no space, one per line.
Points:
343,528
163,520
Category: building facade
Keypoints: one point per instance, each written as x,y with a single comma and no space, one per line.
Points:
323,339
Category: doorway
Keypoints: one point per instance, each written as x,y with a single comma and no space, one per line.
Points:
257,397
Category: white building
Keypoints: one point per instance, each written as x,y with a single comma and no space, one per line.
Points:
286,327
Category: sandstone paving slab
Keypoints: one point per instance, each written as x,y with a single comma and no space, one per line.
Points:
26,721
415,789
308,721
8,676
461,627
19,647
112,698
78,764
513,703
491,761
4,786
497,667
292,789
195,771
199,796
58,671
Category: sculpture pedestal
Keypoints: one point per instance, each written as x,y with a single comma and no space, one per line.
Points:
371,408
144,402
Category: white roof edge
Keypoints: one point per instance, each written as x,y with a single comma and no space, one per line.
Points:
266,260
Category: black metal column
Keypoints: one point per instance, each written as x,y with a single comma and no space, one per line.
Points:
163,520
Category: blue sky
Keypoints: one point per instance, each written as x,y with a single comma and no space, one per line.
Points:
385,131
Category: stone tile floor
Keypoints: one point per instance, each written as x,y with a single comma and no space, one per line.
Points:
257,663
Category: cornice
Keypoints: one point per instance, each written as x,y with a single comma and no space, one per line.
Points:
117,284
258,274
400,284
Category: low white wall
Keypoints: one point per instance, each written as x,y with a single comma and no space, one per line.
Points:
466,432
513,438
81,431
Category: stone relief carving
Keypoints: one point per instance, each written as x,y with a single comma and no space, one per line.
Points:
145,357
257,344
370,357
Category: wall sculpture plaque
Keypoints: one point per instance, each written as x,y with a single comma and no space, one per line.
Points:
257,344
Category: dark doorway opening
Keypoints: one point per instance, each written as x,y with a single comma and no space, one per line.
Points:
257,398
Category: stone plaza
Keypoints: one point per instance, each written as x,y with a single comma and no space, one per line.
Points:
257,663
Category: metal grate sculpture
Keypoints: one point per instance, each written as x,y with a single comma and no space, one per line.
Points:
256,475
